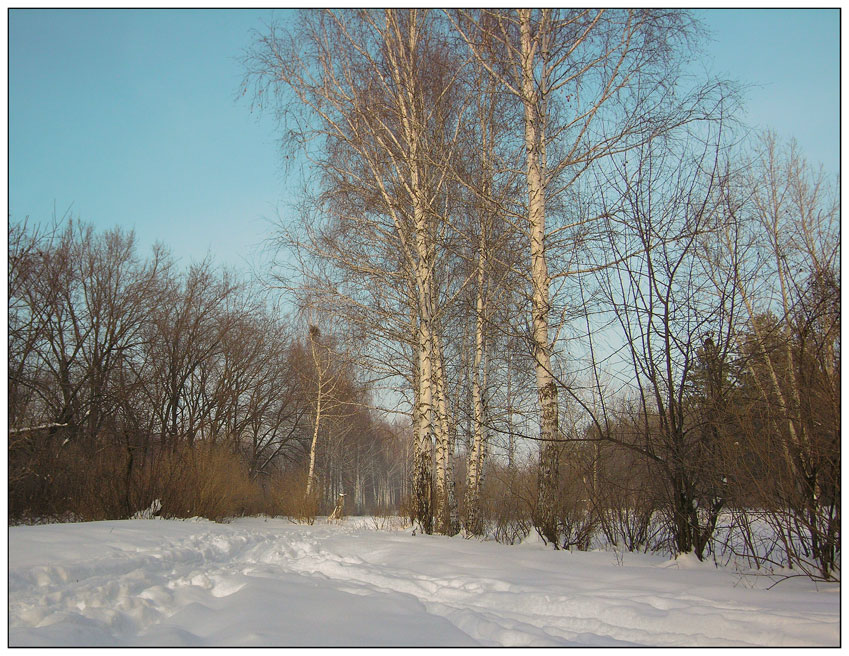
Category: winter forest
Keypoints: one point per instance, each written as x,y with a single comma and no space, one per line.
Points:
542,281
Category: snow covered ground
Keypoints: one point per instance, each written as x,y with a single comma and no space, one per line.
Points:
272,582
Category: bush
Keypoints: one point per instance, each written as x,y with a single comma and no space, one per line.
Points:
202,481
507,500
293,502
54,480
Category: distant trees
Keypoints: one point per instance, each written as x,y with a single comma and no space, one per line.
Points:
127,376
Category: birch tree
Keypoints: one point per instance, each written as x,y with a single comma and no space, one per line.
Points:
327,380
374,88
590,83
489,254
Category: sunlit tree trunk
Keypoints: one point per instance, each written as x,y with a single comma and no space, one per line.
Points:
532,49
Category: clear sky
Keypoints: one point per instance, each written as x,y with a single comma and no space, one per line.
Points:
131,117
790,61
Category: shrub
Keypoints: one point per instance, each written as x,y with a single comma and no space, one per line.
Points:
507,500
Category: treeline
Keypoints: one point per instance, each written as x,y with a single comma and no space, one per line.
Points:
604,310
131,381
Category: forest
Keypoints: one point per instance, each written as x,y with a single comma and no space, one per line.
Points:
542,279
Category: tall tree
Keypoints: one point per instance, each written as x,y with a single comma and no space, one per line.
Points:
591,83
375,88
677,322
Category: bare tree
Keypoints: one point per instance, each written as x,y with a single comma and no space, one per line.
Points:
677,322
25,328
374,86
328,377
591,83
787,221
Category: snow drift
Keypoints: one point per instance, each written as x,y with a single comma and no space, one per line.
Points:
269,582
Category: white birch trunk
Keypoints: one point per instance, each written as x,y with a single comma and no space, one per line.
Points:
477,452
423,418
446,508
405,76
546,520
317,419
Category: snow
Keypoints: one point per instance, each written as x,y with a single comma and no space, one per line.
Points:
270,582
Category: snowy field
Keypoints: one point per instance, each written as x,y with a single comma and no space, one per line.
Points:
272,582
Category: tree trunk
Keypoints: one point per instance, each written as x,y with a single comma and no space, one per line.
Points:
446,504
316,423
477,452
423,411
533,95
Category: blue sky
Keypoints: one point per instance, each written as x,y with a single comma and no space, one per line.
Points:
790,60
131,117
